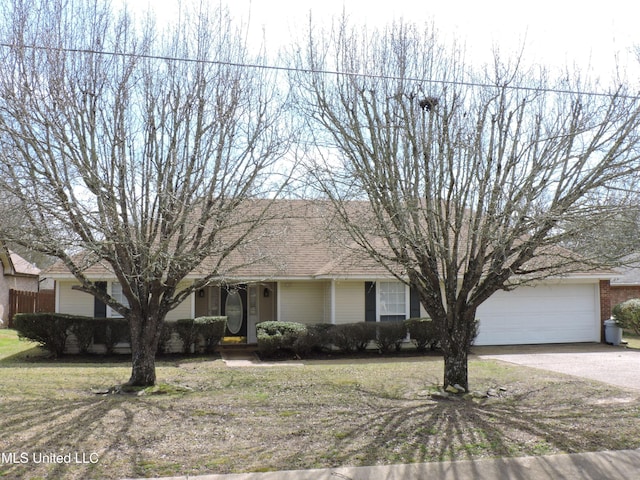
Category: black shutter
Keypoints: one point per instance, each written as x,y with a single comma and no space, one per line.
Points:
414,303
369,301
99,307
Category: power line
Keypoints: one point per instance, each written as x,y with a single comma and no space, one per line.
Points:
318,71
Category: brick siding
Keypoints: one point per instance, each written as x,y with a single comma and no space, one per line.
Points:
622,293
605,305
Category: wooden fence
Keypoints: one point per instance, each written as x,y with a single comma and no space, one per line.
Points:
30,302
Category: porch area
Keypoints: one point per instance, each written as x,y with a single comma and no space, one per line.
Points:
244,305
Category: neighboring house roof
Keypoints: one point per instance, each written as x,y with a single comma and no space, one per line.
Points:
22,266
13,264
300,242
629,273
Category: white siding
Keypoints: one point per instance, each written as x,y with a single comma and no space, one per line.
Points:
558,313
349,302
327,302
185,310
73,302
303,302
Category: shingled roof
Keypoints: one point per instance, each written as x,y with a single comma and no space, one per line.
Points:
629,273
300,242
14,264
295,244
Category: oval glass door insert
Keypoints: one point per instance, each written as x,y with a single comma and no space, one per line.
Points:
233,310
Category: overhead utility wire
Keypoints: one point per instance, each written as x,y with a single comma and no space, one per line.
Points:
320,71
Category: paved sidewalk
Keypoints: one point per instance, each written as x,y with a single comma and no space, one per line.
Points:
624,464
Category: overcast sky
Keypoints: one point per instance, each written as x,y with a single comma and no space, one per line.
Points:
554,32
593,37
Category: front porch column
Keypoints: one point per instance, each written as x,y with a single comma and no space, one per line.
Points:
332,300
278,302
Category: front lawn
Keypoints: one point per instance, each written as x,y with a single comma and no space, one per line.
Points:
323,414
11,346
633,340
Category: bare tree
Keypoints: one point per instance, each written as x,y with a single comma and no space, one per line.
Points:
471,178
146,150
611,234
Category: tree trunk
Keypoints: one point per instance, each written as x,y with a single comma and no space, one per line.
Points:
143,368
456,340
456,370
144,344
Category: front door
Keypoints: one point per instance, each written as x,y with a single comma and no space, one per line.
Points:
234,307
253,313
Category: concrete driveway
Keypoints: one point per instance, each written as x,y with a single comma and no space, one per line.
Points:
605,363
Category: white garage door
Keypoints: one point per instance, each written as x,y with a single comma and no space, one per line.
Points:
542,314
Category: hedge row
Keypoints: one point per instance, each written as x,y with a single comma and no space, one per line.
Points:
284,338
209,330
51,330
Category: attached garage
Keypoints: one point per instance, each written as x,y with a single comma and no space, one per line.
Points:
549,313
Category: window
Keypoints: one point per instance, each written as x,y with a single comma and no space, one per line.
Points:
99,307
116,293
393,301
234,312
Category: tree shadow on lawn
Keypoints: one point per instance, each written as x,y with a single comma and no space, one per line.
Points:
87,431
33,354
38,357
463,429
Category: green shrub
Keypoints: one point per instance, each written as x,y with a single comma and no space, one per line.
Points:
423,332
275,338
187,332
348,337
390,335
314,339
212,330
343,338
627,315
282,328
321,334
83,329
167,329
110,332
365,333
48,329
269,345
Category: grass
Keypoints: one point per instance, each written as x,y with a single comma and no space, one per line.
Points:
633,341
12,346
209,418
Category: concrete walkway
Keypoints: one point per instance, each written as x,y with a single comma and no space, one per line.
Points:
624,464
242,358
